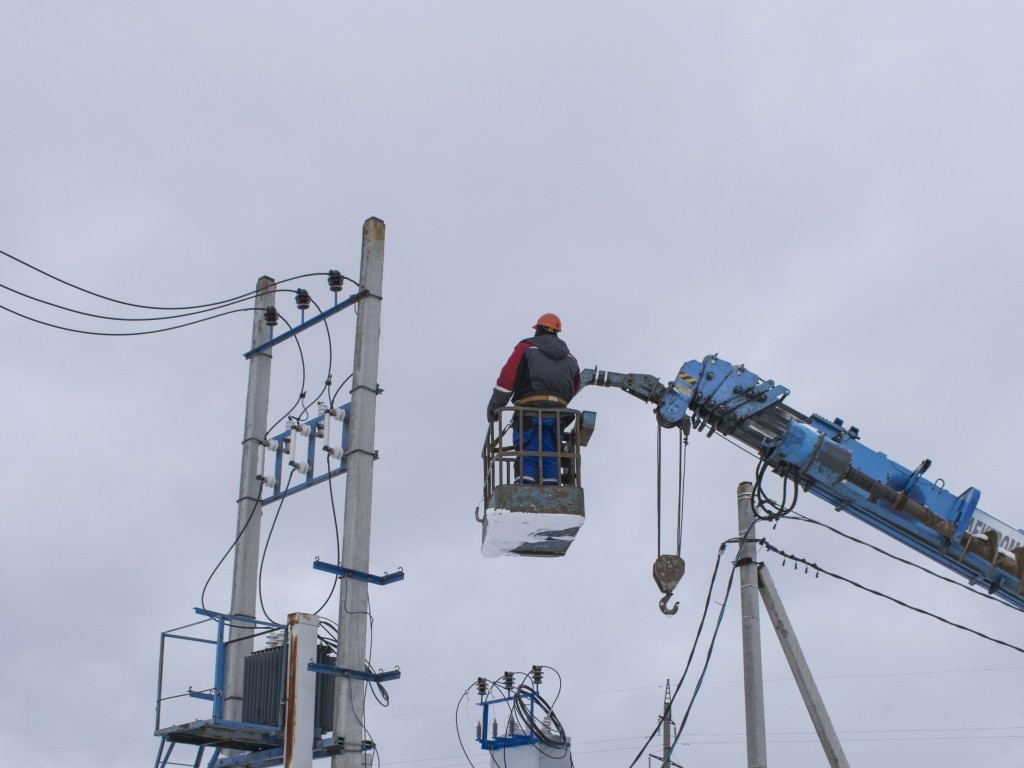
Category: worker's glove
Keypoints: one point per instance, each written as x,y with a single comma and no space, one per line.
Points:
499,399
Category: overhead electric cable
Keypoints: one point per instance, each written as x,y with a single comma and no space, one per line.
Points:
247,294
693,647
890,598
126,333
881,550
124,319
266,547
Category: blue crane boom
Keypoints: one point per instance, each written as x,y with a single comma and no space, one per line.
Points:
828,460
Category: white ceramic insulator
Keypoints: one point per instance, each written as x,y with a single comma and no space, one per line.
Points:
300,466
334,452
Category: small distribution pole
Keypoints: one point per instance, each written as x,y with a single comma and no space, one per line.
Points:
666,728
247,546
753,681
349,705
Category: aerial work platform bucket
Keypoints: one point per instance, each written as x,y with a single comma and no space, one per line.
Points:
533,497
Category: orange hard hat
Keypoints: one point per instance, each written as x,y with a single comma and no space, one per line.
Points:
549,320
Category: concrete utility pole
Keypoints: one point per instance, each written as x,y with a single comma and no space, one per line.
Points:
250,510
756,581
349,705
753,680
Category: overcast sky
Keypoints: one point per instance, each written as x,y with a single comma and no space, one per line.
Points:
829,193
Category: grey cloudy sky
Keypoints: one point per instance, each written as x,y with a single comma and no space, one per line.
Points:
827,192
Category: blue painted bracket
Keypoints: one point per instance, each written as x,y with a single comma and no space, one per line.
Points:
201,695
309,323
348,573
355,674
310,478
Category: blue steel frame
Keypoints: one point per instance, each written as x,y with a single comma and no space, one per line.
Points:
217,695
311,478
506,741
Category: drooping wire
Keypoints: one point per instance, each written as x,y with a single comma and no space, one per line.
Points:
527,712
804,519
818,569
337,534
693,647
330,360
707,663
241,532
247,294
257,502
302,385
458,733
266,546
83,313
126,333
765,507
527,719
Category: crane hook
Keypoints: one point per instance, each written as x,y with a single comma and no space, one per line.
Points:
663,604
668,570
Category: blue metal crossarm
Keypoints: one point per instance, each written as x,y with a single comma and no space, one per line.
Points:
348,573
308,324
355,674
277,495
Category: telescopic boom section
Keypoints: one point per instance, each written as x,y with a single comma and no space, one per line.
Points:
829,461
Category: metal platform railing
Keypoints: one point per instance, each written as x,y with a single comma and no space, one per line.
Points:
535,446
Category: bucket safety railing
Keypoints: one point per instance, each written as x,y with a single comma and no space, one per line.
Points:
533,446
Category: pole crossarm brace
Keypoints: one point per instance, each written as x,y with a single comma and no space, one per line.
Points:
308,324
355,674
349,573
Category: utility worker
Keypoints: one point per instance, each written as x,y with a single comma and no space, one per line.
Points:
541,373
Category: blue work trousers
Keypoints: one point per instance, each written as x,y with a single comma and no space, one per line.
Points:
532,436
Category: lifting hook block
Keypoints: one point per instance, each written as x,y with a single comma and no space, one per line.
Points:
668,570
